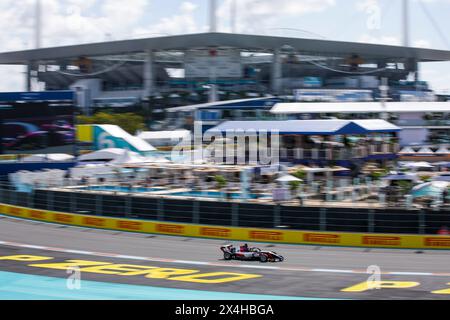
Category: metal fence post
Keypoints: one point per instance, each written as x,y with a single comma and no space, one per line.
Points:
277,216
128,203
14,197
323,219
371,225
160,210
50,200
235,214
99,205
196,212
30,198
422,222
73,203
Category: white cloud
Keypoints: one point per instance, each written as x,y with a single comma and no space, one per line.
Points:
182,22
257,16
64,22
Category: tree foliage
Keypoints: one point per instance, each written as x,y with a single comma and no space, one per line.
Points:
129,122
300,174
221,182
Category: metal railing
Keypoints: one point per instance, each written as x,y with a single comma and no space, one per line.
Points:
339,154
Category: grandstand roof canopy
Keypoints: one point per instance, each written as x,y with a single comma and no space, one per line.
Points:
250,42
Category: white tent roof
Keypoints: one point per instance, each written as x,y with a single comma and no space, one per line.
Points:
103,155
442,150
128,158
425,151
158,135
156,160
413,165
288,178
48,157
360,107
407,150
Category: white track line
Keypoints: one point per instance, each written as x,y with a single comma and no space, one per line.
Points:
212,264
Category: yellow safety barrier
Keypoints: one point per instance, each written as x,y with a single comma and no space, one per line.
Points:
394,241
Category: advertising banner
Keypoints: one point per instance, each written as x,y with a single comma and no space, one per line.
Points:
342,239
223,63
34,125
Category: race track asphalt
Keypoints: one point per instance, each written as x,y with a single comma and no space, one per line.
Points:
309,271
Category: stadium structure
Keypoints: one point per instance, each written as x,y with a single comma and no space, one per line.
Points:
187,66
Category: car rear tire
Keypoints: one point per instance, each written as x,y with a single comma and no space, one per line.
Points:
227,256
263,258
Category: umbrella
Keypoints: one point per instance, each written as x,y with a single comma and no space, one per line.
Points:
417,165
425,151
401,177
128,158
288,178
443,164
443,177
430,189
442,150
339,169
407,150
333,144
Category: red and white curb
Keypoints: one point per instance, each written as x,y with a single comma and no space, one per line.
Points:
212,264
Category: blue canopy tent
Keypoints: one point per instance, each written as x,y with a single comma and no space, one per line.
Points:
307,127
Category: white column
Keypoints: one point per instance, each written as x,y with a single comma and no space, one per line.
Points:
149,74
28,77
277,72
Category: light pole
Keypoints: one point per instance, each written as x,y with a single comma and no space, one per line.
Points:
405,5
38,24
212,15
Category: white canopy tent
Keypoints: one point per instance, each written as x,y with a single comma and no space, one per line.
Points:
360,107
128,157
104,155
442,150
416,165
55,157
407,150
165,138
426,151
288,178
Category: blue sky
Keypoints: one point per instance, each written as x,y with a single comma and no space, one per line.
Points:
82,21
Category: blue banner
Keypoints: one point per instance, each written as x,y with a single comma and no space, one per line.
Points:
37,96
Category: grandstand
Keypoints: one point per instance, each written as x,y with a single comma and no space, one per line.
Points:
183,69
